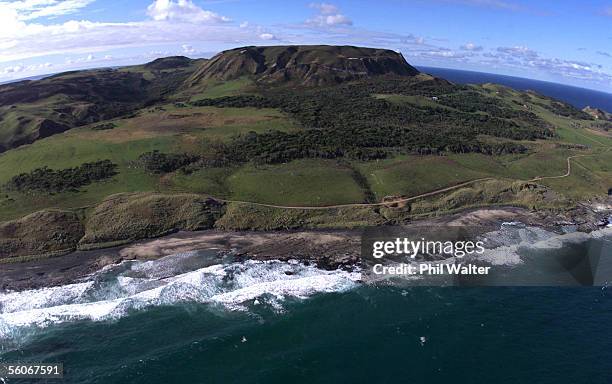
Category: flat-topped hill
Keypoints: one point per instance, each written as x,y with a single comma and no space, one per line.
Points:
171,62
303,64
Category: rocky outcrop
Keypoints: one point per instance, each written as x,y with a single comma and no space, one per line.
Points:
597,113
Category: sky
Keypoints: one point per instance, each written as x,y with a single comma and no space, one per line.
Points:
567,42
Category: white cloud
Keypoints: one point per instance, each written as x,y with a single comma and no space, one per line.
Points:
85,37
518,51
525,58
328,16
472,47
12,69
14,17
267,36
325,8
34,9
21,68
173,21
182,10
442,53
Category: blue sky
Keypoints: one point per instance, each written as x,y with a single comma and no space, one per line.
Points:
562,41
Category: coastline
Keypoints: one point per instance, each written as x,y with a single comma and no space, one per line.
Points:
326,248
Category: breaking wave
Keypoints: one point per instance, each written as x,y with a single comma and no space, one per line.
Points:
114,292
513,241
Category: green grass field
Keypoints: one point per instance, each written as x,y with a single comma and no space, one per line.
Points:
211,181
311,182
302,182
150,130
213,88
413,175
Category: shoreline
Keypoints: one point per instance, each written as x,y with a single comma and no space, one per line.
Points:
326,248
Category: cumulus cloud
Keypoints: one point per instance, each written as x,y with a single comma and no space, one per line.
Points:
442,54
267,36
171,22
525,58
21,68
24,36
16,17
472,47
182,10
328,15
12,69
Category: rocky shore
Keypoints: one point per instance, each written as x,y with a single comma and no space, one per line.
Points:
328,249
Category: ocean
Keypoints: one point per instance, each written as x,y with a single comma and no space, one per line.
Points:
578,97
191,318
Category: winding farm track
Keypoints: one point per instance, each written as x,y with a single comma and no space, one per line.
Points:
355,205
407,199
566,174
569,163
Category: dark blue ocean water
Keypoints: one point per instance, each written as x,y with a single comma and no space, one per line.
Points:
578,97
367,335
277,322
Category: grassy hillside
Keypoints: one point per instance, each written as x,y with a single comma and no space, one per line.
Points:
241,139
31,110
164,128
300,182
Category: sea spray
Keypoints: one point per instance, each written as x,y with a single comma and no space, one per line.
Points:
139,285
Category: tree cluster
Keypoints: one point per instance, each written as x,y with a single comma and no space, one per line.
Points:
53,181
157,162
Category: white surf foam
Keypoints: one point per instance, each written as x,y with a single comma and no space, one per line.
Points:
507,244
40,298
233,286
